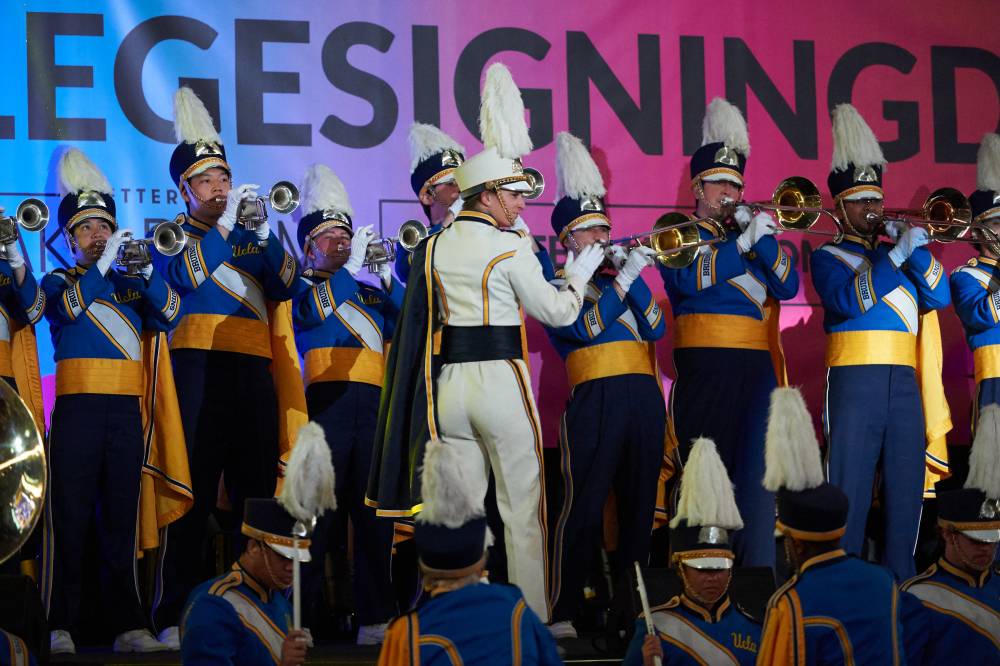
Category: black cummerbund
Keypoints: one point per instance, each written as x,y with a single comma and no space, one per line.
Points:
467,344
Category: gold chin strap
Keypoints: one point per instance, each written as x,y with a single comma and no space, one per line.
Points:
690,592
496,190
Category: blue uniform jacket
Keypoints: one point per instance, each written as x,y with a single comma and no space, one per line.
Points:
476,624
403,257
18,305
961,622
233,619
691,636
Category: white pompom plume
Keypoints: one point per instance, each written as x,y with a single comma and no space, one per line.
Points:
501,114
853,140
988,163
984,460
448,497
192,121
791,453
724,123
577,175
78,174
308,490
322,189
707,498
427,140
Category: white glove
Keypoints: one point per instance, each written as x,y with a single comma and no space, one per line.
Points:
359,247
263,231
640,257
235,198
453,212
385,274
617,255
111,250
521,225
12,253
742,217
894,229
911,239
146,272
760,226
579,269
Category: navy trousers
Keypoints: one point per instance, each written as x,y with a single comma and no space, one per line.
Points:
95,464
875,421
724,394
611,437
230,414
347,411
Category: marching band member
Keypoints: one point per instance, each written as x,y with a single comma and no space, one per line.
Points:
435,156
960,592
726,349
465,620
341,326
975,286
233,350
242,617
702,625
98,318
613,428
836,609
475,392
873,294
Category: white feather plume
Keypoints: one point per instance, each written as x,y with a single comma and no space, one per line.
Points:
309,487
791,453
853,140
448,497
577,174
706,492
724,122
984,460
322,189
427,140
988,163
501,114
78,174
192,121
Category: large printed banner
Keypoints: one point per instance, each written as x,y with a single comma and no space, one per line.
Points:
298,82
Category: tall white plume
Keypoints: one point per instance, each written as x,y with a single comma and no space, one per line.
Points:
308,490
706,492
321,189
576,172
853,140
988,163
427,140
77,174
192,121
984,460
449,498
501,114
791,453
724,122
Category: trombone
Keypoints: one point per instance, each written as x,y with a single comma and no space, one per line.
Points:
798,205
675,239
383,250
134,254
946,214
283,198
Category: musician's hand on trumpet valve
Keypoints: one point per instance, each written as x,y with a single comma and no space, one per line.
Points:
11,252
638,258
359,249
110,252
909,241
234,201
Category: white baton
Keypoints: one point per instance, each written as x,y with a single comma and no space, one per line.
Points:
640,585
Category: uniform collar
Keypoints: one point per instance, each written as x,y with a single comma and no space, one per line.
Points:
713,616
77,269
972,581
316,273
986,260
198,224
822,559
865,243
476,216
252,583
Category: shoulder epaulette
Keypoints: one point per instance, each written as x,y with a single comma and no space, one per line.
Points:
674,602
931,570
220,587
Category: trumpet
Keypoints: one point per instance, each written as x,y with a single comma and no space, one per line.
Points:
31,215
383,250
798,205
536,181
134,254
675,239
283,198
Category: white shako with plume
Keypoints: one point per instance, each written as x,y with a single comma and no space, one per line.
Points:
199,146
858,163
809,508
504,132
725,145
86,191
580,188
974,509
706,511
450,531
434,156
325,204
985,201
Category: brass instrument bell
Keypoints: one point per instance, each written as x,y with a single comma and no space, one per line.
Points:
23,477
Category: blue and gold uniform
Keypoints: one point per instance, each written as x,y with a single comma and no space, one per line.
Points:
727,352
691,635
14,651
20,306
873,316
612,432
98,441
342,328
